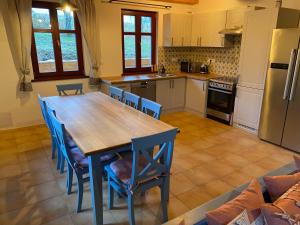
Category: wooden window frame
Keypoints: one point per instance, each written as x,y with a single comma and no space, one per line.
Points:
60,74
138,34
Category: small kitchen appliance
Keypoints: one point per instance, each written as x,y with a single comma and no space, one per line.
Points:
221,96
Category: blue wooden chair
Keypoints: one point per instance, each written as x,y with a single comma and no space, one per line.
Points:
63,88
132,100
76,160
151,108
49,125
141,171
116,93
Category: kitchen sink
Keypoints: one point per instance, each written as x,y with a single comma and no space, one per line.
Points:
165,75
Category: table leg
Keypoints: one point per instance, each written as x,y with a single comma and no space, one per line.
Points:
95,172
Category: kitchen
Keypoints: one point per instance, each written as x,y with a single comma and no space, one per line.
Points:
207,64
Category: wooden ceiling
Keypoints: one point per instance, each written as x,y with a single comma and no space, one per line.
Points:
189,2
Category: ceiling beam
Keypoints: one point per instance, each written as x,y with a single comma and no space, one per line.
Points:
189,2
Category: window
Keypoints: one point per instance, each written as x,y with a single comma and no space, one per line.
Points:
139,41
56,43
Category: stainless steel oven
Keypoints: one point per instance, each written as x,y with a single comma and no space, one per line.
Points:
220,100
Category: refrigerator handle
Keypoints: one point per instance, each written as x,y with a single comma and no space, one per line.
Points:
290,73
295,78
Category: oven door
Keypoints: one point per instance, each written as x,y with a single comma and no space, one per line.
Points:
220,100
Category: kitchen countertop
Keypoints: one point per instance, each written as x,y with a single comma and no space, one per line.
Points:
152,77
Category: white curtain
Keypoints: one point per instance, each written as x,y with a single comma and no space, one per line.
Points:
88,22
18,23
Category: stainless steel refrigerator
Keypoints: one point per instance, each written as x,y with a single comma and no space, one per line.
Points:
280,115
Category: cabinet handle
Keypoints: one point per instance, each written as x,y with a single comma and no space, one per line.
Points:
172,42
170,85
197,41
182,40
200,41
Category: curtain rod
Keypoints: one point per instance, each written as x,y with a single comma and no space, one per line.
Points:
138,3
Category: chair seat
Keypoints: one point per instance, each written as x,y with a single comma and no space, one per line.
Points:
70,142
83,162
122,168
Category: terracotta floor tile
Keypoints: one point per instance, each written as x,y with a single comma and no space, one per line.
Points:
180,183
195,197
237,178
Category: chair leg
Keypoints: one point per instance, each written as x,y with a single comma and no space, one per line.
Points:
130,200
62,164
164,190
59,156
53,148
110,194
79,192
69,179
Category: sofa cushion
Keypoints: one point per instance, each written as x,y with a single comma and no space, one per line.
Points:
286,208
250,199
278,185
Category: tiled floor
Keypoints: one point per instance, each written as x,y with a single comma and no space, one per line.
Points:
209,159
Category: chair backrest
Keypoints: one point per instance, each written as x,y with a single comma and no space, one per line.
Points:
151,108
116,93
63,88
155,165
132,99
60,133
43,109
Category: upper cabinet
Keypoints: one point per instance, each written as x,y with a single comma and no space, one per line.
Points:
197,30
177,29
235,17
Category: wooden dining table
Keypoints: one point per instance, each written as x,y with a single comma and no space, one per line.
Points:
100,124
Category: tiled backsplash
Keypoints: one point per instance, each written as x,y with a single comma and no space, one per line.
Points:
226,59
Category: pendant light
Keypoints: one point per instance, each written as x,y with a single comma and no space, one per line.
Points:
67,6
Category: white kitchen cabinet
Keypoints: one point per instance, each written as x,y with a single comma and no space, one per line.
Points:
171,93
206,28
196,96
247,108
235,17
177,29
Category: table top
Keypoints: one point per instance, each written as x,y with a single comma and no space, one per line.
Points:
99,123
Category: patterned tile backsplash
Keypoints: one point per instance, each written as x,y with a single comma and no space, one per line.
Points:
226,59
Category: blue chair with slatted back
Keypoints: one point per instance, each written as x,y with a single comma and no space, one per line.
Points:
151,108
49,125
132,100
64,88
142,171
76,160
116,93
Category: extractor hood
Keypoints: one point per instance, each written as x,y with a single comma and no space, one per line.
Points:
232,31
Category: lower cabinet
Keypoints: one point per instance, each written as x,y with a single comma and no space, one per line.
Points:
171,93
196,96
247,108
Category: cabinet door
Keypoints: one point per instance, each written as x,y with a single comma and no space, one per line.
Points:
196,30
247,107
178,93
177,29
217,22
163,93
235,18
196,94
255,49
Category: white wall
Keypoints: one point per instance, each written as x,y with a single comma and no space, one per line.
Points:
19,109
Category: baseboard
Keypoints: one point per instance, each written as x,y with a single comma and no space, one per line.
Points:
246,128
195,112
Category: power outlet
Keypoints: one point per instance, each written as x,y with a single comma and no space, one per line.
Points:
211,61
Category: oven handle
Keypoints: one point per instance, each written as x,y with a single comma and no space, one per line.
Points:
218,90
